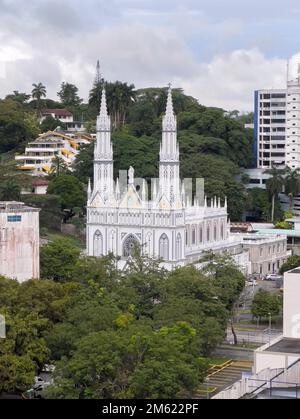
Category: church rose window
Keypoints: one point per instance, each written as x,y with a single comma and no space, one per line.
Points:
130,245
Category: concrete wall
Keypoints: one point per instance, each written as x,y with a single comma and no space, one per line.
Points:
291,321
19,245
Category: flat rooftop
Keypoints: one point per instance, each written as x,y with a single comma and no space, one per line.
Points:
295,271
12,206
285,345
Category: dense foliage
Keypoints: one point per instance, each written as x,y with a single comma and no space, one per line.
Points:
145,333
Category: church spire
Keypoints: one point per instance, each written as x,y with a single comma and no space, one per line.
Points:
103,155
103,107
169,120
169,182
103,121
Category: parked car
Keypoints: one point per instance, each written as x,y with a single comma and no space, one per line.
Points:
272,277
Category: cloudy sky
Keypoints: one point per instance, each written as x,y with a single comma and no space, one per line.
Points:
218,51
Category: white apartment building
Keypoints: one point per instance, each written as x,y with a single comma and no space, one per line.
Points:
19,241
39,154
293,123
62,115
270,127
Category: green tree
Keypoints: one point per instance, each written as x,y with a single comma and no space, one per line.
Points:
16,127
58,259
293,262
71,193
58,167
68,95
274,186
292,185
265,304
19,97
50,124
145,364
10,190
38,92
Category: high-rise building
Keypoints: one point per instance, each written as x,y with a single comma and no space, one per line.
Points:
270,128
293,123
277,126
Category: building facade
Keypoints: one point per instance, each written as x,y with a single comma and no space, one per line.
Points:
167,225
19,241
267,253
40,153
270,127
62,115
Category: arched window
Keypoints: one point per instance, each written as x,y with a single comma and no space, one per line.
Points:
215,233
208,234
112,241
164,247
98,244
193,235
148,244
178,251
222,232
130,245
186,237
200,234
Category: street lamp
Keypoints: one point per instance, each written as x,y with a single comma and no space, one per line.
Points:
270,326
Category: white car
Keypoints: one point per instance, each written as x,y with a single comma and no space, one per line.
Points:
272,277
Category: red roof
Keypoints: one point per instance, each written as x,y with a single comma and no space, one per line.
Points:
58,112
40,182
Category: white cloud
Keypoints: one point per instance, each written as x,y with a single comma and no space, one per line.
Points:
143,55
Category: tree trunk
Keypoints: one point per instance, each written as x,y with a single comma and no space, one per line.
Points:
273,208
235,339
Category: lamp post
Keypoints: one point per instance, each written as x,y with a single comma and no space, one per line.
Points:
270,325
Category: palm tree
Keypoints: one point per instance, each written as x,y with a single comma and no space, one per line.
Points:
275,185
58,167
292,185
38,91
119,98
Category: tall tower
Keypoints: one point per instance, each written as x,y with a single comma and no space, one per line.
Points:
169,181
98,77
103,154
293,123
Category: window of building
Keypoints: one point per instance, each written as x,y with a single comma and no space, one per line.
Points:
178,246
164,247
208,234
98,244
200,235
14,218
193,235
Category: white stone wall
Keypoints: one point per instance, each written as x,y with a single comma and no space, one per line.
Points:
19,245
291,322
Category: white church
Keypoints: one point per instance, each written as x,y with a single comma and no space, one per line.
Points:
169,226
